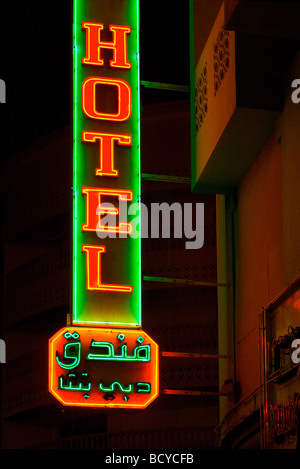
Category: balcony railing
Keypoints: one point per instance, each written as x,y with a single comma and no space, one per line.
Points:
163,438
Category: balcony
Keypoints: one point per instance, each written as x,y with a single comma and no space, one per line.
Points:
158,438
40,285
264,18
25,379
239,92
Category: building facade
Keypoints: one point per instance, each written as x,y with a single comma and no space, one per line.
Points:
225,316
244,63
179,294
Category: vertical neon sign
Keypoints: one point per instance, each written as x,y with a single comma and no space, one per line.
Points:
104,358
106,160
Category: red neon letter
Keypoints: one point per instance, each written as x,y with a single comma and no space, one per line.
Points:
89,99
94,45
93,211
93,271
106,150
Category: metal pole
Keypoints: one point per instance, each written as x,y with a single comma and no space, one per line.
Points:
192,355
182,392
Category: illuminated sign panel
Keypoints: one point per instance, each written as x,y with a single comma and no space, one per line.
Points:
106,162
104,358
100,367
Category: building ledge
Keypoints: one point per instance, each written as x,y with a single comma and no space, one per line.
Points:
242,420
239,93
276,18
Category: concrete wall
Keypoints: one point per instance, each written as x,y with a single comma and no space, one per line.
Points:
259,262
289,126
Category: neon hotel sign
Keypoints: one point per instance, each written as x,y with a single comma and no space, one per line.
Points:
104,358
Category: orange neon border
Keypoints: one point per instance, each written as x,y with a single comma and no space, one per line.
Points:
106,116
77,404
106,45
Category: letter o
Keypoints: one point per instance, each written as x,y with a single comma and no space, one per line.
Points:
89,99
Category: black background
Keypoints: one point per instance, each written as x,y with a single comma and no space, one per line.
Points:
35,63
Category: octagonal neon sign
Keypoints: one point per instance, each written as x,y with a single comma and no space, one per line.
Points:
97,367
104,358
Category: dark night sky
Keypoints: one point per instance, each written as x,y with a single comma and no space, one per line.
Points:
35,62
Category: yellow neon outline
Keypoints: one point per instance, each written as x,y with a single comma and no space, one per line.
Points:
92,137
106,45
123,195
120,84
101,286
